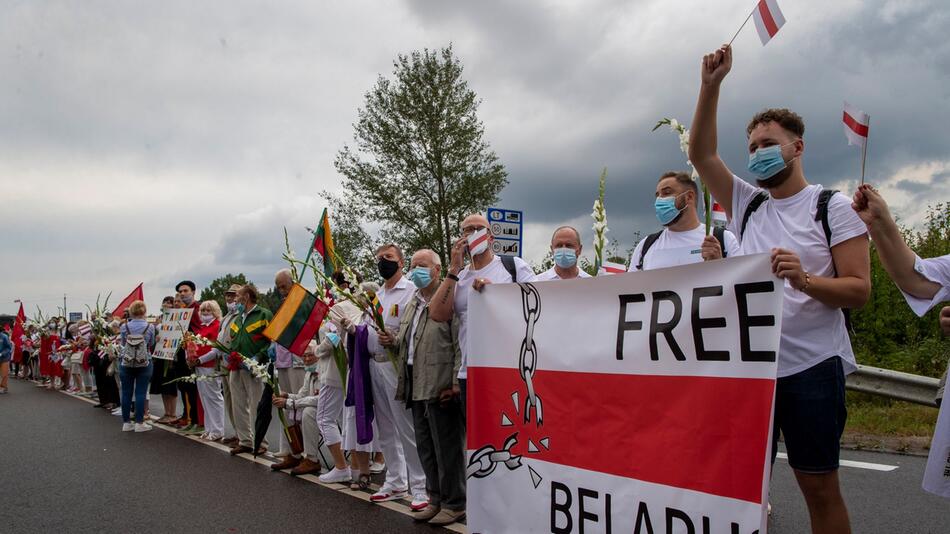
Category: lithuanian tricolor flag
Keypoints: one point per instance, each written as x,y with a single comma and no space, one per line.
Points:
297,320
323,244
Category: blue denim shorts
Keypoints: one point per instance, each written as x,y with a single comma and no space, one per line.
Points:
810,412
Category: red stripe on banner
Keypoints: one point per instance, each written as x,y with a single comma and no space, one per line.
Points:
705,434
855,126
310,328
767,18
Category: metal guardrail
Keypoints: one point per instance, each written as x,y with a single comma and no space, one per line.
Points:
894,385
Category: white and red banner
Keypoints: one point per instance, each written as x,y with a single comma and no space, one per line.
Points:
640,402
768,19
856,125
610,267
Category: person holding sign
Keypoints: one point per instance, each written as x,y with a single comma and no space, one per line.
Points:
683,239
819,248
565,249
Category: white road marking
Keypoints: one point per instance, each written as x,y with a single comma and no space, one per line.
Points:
339,488
855,464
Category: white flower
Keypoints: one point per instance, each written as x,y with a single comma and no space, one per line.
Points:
674,124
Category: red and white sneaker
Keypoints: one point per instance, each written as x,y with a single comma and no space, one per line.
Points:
386,494
420,501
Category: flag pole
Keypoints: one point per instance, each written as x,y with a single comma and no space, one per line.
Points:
746,21
864,152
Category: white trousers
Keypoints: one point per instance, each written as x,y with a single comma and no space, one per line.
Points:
397,437
290,381
330,413
212,400
349,432
246,392
311,434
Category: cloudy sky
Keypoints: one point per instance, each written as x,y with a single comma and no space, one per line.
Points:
154,141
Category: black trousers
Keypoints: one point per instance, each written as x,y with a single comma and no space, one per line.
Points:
440,440
106,385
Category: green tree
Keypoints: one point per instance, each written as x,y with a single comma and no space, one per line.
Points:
269,300
216,289
419,163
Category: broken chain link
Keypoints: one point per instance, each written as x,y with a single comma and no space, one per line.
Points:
484,460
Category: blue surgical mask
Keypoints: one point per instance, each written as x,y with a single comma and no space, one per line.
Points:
421,277
666,211
240,308
766,162
565,257
334,338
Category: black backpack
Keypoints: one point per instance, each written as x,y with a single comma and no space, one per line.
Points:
821,215
719,232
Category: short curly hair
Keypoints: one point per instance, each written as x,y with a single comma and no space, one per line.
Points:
786,118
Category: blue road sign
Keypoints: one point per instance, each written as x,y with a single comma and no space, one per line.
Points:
507,226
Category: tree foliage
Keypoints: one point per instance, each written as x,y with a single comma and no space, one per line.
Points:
419,162
218,286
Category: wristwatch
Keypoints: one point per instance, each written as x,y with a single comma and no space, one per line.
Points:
451,276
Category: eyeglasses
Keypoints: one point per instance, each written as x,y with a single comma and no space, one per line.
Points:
469,230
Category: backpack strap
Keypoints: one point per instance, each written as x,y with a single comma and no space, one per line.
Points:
647,243
754,204
821,214
509,263
720,234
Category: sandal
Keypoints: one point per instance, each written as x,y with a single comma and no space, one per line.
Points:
361,483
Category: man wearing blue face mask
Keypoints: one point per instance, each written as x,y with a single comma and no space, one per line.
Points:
819,247
683,239
565,249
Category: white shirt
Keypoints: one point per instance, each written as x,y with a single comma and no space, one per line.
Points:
393,301
679,248
494,272
936,270
812,332
421,305
551,274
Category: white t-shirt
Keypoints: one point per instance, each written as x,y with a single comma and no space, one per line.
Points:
494,272
393,302
936,270
551,274
812,332
679,248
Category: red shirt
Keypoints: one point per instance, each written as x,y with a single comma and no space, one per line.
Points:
195,317
209,331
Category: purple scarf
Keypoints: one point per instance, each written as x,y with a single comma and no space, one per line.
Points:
359,390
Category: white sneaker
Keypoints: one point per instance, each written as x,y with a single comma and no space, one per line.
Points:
117,411
127,427
420,501
336,476
142,427
377,468
385,494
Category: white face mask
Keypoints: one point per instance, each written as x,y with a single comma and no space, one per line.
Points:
207,318
232,307
478,242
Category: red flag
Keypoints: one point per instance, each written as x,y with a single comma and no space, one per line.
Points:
855,125
768,19
136,294
18,335
610,267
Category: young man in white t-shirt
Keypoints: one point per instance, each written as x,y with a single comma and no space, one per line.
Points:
485,268
823,260
565,249
683,239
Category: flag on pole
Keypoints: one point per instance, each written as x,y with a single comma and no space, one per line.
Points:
297,320
85,329
323,244
610,267
17,334
136,294
718,216
856,125
768,19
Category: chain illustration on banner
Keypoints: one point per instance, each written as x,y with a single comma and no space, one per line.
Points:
528,362
483,461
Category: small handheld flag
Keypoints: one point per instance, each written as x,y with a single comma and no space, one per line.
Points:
718,216
610,267
856,129
768,20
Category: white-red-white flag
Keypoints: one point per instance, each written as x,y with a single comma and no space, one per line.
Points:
719,215
855,125
610,267
768,19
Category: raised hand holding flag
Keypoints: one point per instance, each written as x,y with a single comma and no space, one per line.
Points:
768,20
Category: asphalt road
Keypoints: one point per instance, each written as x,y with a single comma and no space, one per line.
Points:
67,468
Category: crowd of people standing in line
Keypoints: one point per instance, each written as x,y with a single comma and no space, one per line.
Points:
817,241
